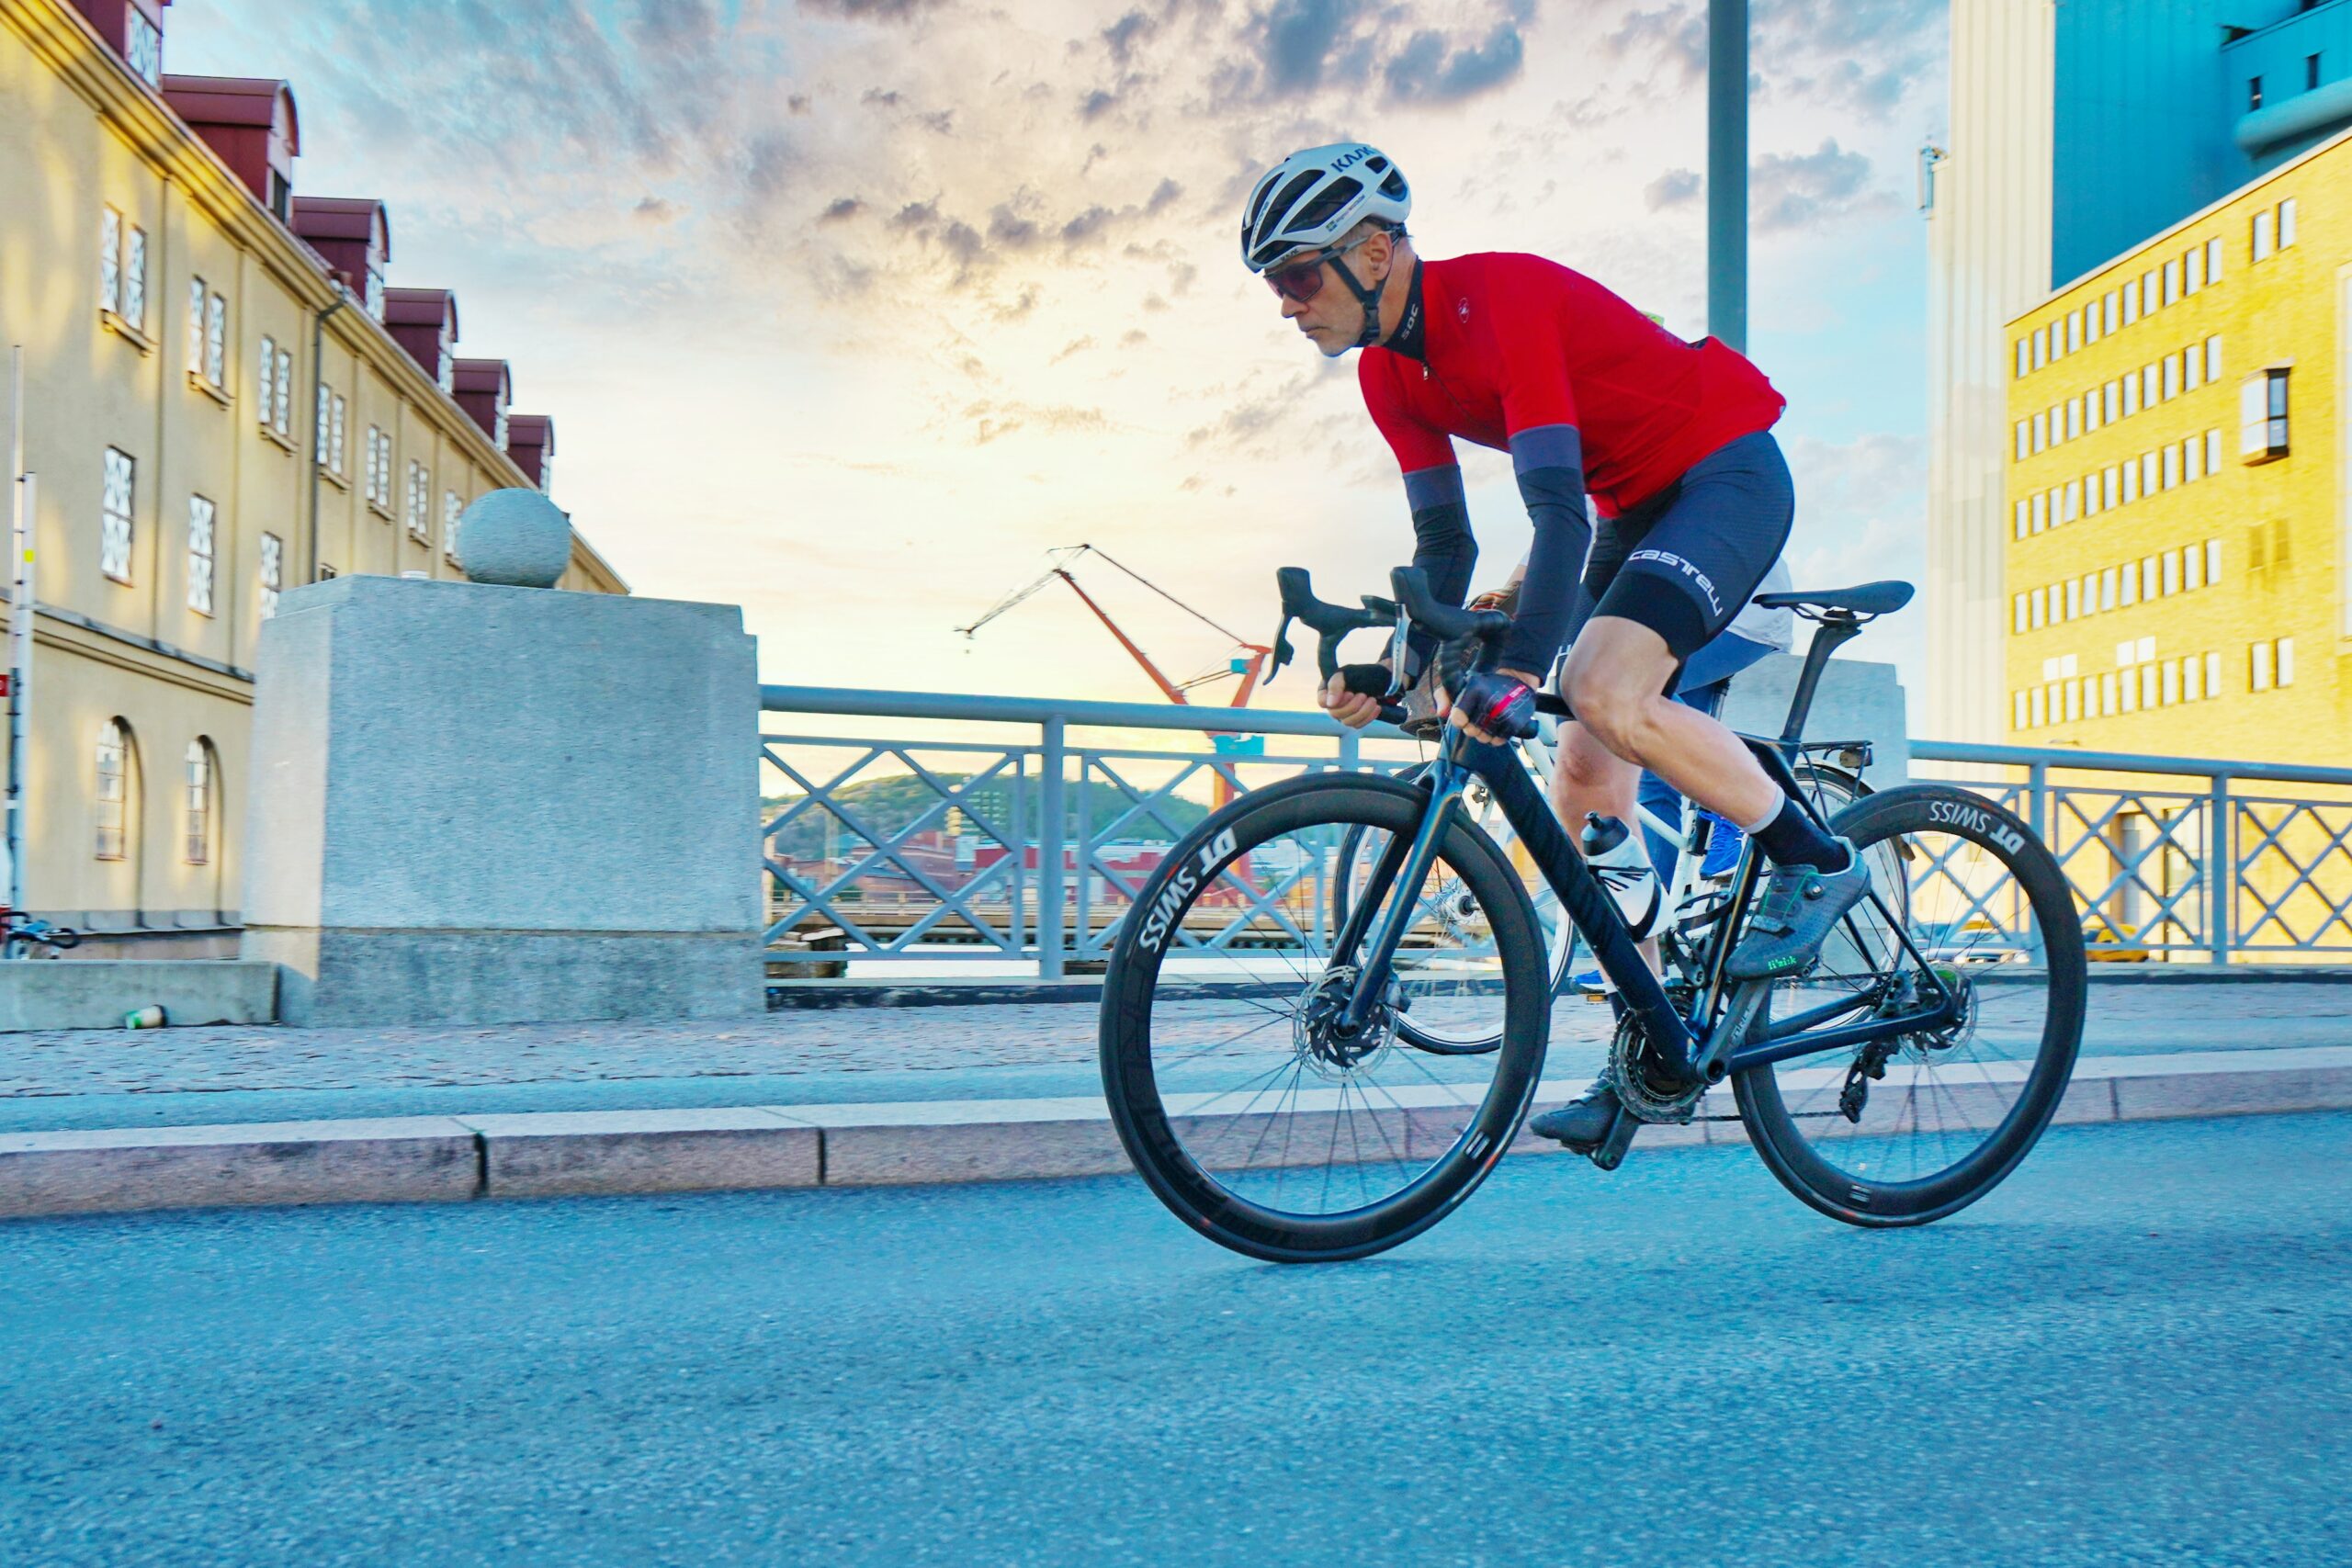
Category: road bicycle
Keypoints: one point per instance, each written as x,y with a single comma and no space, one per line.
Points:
1896,1080
24,936
1704,854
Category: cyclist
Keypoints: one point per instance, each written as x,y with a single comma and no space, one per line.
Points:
1672,440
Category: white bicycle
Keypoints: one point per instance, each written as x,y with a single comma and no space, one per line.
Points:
1706,858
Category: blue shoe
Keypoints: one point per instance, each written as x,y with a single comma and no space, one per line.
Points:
1592,983
1723,844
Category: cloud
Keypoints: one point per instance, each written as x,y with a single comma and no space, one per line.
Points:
841,208
1676,188
1122,36
1798,190
654,210
1431,69
872,10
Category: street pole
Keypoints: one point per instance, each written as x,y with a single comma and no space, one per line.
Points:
1727,171
20,625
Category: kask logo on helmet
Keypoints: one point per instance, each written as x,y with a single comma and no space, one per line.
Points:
1349,159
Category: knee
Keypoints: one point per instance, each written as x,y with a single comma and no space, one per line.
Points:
1619,712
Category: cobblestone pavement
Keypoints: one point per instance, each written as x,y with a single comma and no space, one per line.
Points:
893,1042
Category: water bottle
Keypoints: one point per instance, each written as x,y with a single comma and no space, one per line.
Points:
1623,864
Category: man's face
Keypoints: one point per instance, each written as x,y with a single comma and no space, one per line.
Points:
1332,320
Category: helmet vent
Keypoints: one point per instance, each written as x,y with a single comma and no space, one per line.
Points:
1332,199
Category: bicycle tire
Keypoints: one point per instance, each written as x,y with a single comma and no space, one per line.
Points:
1804,1164
1131,1084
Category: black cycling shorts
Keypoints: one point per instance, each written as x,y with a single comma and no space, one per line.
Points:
1685,561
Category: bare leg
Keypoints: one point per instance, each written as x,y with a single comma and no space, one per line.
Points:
1588,777
1615,680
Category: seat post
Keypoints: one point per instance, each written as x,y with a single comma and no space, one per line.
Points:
1837,628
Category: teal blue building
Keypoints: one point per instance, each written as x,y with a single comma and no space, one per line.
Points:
2162,106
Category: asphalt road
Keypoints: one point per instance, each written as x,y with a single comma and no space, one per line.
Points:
2134,1353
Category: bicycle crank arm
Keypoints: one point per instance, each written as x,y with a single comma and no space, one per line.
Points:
1715,1058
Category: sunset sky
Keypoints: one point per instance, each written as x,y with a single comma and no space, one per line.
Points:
848,310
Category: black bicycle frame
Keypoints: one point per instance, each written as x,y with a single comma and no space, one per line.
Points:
1695,1058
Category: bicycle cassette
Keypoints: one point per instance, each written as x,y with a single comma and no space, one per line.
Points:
1639,1074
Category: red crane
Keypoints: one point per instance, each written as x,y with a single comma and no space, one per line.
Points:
1248,670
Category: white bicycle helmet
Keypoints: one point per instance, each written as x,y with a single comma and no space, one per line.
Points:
1313,197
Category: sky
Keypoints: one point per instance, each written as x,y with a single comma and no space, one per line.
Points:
849,311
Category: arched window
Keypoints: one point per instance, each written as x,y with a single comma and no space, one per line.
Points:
201,792
114,790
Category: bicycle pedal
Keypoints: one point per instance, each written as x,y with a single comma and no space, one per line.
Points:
1611,1152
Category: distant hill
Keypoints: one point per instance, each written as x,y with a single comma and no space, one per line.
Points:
884,806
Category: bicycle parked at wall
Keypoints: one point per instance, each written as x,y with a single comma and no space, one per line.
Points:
23,936
1334,1113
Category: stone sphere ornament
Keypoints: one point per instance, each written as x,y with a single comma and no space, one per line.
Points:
516,537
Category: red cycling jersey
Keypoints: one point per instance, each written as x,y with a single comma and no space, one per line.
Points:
1518,347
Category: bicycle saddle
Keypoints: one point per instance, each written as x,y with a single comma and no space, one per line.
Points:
1867,598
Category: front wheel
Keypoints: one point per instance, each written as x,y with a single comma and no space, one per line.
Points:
1249,1107
1909,1129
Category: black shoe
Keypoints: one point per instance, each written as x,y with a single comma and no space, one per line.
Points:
1584,1123
1800,907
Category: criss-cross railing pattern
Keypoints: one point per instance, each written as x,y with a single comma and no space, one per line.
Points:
2294,870
939,849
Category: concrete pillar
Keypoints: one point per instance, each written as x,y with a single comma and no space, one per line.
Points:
476,804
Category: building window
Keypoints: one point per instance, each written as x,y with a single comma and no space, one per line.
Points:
2025,440
2212,675
2192,458
2192,569
216,340
2148,298
2074,331
2040,347
2017,714
2171,466
2260,672
2192,368
376,293
143,48
122,270
2285,222
419,503
2041,612
2172,282
325,416
2212,261
2017,612
268,387
2150,386
2040,511
2253,94
201,515
196,297
448,373
453,506
2213,560
110,261
2262,234
2172,572
2193,268
2311,70
379,469
2213,451
281,417
2073,418
2284,661
114,518
113,813
273,573
2024,350
198,850
2023,510
2106,588
2262,417
2213,357
2074,600
2111,311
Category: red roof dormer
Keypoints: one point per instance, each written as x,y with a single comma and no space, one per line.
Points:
250,122
483,388
354,236
424,322
134,29
530,441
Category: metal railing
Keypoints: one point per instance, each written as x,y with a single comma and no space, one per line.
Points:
955,842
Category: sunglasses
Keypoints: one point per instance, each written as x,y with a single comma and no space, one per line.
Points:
1302,280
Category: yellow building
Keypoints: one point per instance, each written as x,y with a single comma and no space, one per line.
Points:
216,409
2177,517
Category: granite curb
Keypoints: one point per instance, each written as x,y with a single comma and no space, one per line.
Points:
456,1158
820,995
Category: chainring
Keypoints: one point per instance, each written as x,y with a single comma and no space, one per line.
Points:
1636,1069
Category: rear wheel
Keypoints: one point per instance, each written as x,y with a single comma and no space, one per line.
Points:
1247,1108
1910,1129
